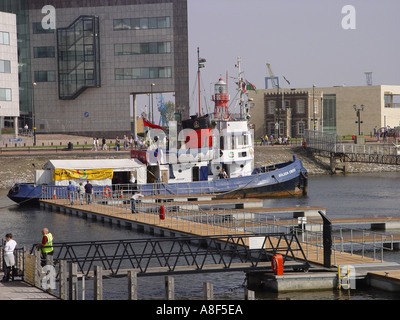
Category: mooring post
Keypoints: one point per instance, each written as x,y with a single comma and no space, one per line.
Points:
73,281
208,291
327,239
132,285
98,283
249,294
169,288
63,279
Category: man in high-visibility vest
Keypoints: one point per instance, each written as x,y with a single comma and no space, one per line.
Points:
46,246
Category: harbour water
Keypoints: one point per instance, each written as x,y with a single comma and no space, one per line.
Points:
344,196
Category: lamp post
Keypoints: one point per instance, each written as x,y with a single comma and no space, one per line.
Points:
313,105
152,110
33,113
358,112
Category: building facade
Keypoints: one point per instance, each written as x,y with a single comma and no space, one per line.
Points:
9,89
335,110
83,60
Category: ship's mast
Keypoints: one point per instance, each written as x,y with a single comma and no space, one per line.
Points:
200,64
240,88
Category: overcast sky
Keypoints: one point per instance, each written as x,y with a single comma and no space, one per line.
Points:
303,40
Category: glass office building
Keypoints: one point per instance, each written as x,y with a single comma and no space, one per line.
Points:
79,76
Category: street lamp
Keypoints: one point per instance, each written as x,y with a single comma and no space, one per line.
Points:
358,112
33,113
313,105
152,110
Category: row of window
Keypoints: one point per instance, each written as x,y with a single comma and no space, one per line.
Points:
5,66
142,48
143,73
300,106
45,76
4,38
5,94
272,129
142,23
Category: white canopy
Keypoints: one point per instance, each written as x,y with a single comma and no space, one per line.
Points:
45,176
81,164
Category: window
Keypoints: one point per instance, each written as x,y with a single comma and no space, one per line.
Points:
45,76
142,48
5,94
271,107
142,73
142,23
5,66
300,128
4,38
44,52
300,106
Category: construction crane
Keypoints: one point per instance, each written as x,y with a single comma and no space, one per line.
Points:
273,79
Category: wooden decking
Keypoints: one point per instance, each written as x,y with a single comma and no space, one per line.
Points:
314,254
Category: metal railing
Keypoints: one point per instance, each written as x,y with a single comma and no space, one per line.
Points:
181,254
196,219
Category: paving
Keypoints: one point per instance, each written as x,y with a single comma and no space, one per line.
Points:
19,290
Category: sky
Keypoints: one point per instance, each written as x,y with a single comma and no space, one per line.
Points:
303,40
307,41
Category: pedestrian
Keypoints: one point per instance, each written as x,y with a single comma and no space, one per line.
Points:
8,257
117,144
81,192
262,141
136,142
89,192
94,145
103,144
46,246
71,192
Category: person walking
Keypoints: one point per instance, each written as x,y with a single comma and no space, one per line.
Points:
81,192
89,192
71,192
8,257
46,246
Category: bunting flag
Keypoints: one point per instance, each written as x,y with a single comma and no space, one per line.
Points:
147,123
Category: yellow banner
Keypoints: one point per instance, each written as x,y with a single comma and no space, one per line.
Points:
90,174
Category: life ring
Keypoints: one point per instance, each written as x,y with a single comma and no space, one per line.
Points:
107,192
231,154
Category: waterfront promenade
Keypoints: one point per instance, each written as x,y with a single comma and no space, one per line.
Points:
19,290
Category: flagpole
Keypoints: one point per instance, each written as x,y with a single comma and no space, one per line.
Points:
198,77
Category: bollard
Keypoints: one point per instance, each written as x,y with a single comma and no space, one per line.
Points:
169,288
162,213
327,239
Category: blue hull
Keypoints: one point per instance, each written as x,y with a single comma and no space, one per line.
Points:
285,179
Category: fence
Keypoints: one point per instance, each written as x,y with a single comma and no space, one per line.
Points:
190,217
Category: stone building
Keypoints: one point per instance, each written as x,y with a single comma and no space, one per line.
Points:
335,110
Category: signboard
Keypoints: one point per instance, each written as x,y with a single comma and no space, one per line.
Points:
256,243
15,140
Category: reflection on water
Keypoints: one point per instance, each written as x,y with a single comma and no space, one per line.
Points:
351,196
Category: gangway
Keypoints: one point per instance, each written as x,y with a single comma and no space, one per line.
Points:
179,255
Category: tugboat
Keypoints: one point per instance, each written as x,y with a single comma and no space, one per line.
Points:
212,154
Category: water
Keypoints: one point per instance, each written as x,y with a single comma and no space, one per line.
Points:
352,196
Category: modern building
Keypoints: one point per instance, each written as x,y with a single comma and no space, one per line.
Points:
340,110
9,89
81,61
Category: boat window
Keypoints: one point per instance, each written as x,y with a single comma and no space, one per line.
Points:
232,142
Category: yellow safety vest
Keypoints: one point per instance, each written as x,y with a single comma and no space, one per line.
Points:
48,247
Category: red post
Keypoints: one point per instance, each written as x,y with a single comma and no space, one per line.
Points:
162,213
